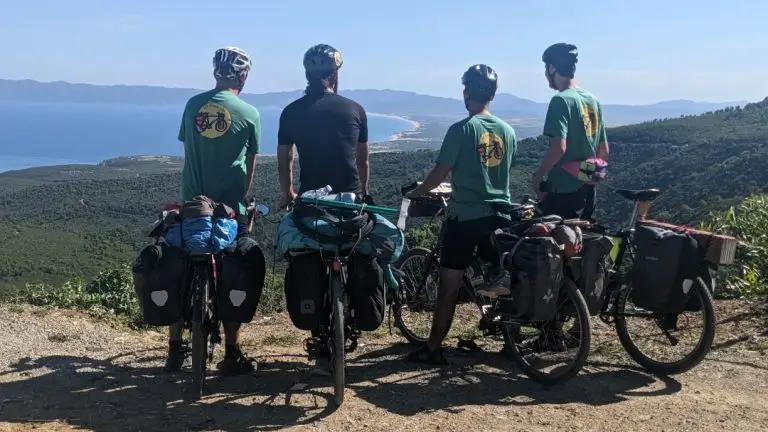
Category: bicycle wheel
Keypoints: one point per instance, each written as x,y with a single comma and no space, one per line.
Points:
413,317
337,339
552,338
199,342
645,357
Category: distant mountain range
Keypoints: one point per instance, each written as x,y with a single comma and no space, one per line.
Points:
379,101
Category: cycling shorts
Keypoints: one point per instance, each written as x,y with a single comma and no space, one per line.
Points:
462,238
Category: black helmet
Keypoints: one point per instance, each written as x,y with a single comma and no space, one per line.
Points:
561,54
481,81
322,60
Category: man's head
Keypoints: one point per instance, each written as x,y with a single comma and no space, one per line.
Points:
230,67
560,64
321,67
480,84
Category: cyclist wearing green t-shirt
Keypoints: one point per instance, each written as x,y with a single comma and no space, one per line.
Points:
478,152
574,125
221,136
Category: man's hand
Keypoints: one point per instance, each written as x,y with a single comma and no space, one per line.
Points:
286,199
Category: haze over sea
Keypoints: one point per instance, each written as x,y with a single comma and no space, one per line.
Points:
37,134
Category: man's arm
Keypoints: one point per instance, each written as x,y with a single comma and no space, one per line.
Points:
285,154
250,164
254,144
363,165
446,161
556,128
363,151
602,149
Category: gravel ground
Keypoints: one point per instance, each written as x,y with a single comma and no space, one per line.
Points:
61,370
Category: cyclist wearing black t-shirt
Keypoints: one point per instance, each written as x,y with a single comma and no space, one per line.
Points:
329,131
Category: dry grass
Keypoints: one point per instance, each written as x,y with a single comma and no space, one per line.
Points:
62,370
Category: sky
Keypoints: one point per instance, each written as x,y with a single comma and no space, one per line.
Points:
631,52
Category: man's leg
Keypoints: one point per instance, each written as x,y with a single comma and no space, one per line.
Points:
458,247
176,352
445,306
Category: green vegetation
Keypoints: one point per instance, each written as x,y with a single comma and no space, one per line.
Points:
64,226
749,223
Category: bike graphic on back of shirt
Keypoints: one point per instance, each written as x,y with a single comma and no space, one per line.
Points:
204,122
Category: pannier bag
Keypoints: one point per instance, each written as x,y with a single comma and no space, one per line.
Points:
306,279
666,265
535,265
160,280
203,226
593,271
241,281
366,288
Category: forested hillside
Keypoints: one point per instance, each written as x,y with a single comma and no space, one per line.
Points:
59,222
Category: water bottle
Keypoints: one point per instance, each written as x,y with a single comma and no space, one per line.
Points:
317,193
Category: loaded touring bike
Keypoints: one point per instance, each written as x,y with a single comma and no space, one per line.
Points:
346,225
531,321
663,304
201,314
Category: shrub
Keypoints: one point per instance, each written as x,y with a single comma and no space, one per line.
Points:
748,222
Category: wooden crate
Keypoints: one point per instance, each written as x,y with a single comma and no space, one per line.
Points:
721,249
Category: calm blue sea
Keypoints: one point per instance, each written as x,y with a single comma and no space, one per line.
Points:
38,134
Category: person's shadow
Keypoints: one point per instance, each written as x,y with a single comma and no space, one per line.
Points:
113,395
384,379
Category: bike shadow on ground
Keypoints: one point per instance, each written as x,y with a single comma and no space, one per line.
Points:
132,392
384,378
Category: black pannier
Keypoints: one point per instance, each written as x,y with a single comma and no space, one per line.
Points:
306,279
241,281
665,268
160,279
593,270
367,289
535,265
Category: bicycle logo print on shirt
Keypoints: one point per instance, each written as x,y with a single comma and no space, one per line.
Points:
490,148
212,120
589,118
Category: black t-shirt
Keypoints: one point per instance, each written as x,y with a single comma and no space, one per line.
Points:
326,130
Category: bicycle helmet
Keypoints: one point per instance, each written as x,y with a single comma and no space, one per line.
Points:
230,62
322,60
562,56
481,81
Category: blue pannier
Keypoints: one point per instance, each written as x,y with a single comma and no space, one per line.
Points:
203,227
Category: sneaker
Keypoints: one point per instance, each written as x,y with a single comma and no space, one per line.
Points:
236,363
177,355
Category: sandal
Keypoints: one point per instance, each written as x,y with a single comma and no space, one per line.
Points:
425,356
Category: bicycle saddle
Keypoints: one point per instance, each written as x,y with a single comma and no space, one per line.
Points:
639,195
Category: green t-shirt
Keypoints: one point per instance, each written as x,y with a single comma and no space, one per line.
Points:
480,151
576,115
218,130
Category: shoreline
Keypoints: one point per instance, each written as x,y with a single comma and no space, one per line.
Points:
412,132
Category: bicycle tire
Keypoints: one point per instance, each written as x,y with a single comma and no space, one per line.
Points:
686,363
570,289
337,343
407,333
199,342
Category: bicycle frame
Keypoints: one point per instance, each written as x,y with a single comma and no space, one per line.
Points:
204,266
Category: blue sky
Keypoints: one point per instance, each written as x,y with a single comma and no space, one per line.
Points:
630,51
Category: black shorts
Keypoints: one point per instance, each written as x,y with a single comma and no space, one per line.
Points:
242,225
574,205
462,238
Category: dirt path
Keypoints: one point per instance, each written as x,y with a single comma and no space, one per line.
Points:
60,370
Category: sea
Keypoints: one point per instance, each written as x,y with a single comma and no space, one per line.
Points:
42,134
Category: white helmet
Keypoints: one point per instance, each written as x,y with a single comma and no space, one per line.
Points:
230,62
